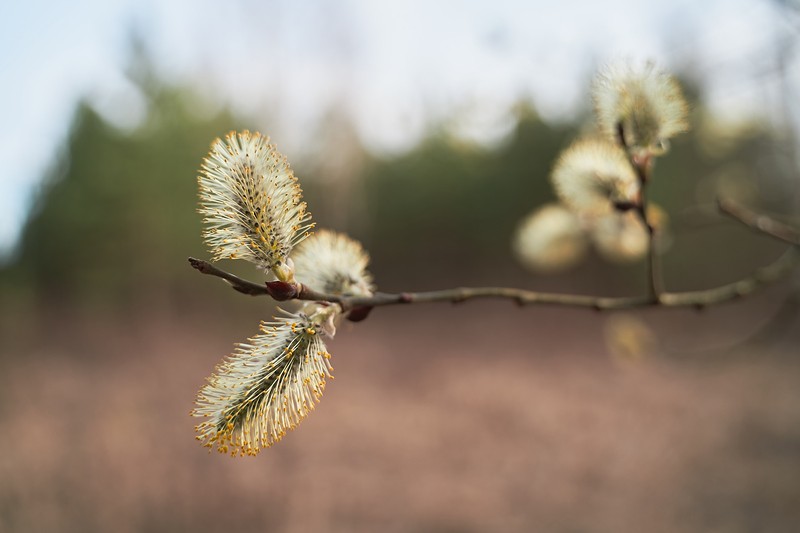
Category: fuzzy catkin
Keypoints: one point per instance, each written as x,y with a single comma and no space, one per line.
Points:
641,103
265,387
251,201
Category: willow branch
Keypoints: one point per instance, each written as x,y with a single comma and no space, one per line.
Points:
695,299
767,275
236,283
654,276
642,165
758,222
657,298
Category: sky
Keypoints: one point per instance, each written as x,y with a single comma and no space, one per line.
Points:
395,68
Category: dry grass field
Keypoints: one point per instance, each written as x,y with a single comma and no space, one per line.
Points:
474,419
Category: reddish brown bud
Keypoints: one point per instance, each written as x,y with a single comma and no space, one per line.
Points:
643,163
623,206
282,290
357,314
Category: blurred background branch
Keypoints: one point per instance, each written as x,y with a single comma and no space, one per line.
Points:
760,222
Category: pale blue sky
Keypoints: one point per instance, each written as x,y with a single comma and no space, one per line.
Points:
396,67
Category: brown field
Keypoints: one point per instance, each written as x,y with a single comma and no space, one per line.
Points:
473,419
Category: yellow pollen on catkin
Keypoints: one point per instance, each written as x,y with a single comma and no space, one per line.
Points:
249,197
269,384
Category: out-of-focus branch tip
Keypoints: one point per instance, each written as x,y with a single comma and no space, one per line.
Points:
360,313
759,222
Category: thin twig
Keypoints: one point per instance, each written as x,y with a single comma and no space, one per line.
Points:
236,283
654,276
657,298
758,222
642,165
695,299
771,273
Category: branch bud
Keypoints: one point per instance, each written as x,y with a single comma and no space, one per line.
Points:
282,290
357,314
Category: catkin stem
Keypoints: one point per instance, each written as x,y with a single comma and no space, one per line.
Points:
642,166
758,222
654,275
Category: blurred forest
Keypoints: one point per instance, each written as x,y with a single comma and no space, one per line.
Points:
116,216
106,333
